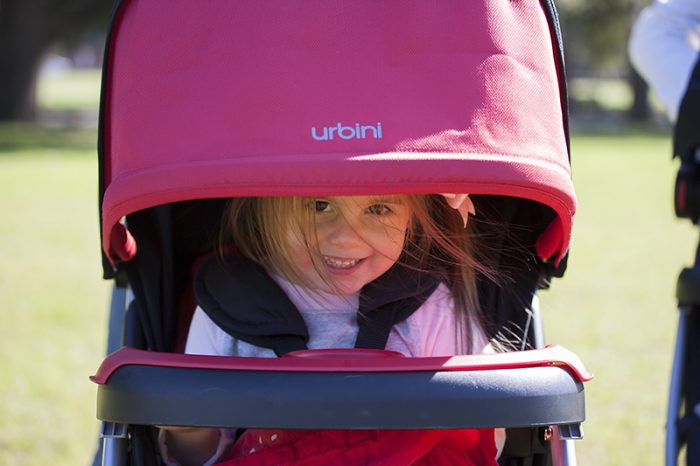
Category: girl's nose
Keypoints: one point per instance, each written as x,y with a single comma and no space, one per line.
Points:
344,233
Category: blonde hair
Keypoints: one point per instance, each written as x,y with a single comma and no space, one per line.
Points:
436,243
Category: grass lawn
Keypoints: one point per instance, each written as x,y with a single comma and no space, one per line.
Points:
53,297
70,90
614,308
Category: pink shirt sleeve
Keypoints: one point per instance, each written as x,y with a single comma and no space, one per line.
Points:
433,330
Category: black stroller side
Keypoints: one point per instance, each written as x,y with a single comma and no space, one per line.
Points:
683,420
541,402
544,408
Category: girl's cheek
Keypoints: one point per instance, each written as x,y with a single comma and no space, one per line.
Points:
298,251
390,243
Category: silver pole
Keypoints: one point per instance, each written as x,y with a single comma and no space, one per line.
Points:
675,391
114,444
563,451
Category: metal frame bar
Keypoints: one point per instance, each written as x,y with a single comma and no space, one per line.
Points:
112,449
675,391
115,436
562,447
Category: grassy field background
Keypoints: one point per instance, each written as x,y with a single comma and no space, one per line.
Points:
614,308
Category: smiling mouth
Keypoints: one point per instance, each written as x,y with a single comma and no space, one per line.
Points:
340,263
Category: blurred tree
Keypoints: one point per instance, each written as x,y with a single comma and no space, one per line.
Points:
596,31
28,28
595,36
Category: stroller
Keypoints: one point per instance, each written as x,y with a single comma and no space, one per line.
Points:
683,424
211,100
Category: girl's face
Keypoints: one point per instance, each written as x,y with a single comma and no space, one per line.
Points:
353,240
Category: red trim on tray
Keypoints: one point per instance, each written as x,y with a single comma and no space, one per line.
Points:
332,360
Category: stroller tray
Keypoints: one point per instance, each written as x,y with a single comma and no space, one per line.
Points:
343,389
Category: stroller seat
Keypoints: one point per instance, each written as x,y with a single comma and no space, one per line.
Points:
215,100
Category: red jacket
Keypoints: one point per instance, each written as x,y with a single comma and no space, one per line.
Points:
257,447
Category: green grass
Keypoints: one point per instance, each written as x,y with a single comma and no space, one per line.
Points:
605,94
70,90
54,303
609,94
614,308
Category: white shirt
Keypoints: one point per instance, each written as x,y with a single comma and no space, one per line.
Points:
332,323
664,46
432,330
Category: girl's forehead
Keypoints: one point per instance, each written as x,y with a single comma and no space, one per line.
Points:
372,199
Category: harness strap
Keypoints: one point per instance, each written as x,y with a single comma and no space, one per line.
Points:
390,299
242,299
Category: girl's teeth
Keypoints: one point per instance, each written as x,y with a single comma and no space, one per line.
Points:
344,264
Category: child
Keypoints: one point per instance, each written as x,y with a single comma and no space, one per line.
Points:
390,271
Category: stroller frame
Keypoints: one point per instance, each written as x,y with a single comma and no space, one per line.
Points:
541,388
683,418
123,401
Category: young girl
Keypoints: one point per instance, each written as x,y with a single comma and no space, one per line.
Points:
389,271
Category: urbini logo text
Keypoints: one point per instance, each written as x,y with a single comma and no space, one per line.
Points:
341,131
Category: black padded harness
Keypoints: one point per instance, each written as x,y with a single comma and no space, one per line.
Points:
242,299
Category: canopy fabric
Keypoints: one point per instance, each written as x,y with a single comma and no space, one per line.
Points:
214,99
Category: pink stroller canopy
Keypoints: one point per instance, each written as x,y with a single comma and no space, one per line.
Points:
213,99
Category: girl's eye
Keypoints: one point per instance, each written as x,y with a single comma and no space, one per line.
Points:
379,209
322,206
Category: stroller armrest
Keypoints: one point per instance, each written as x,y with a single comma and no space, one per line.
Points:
327,389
